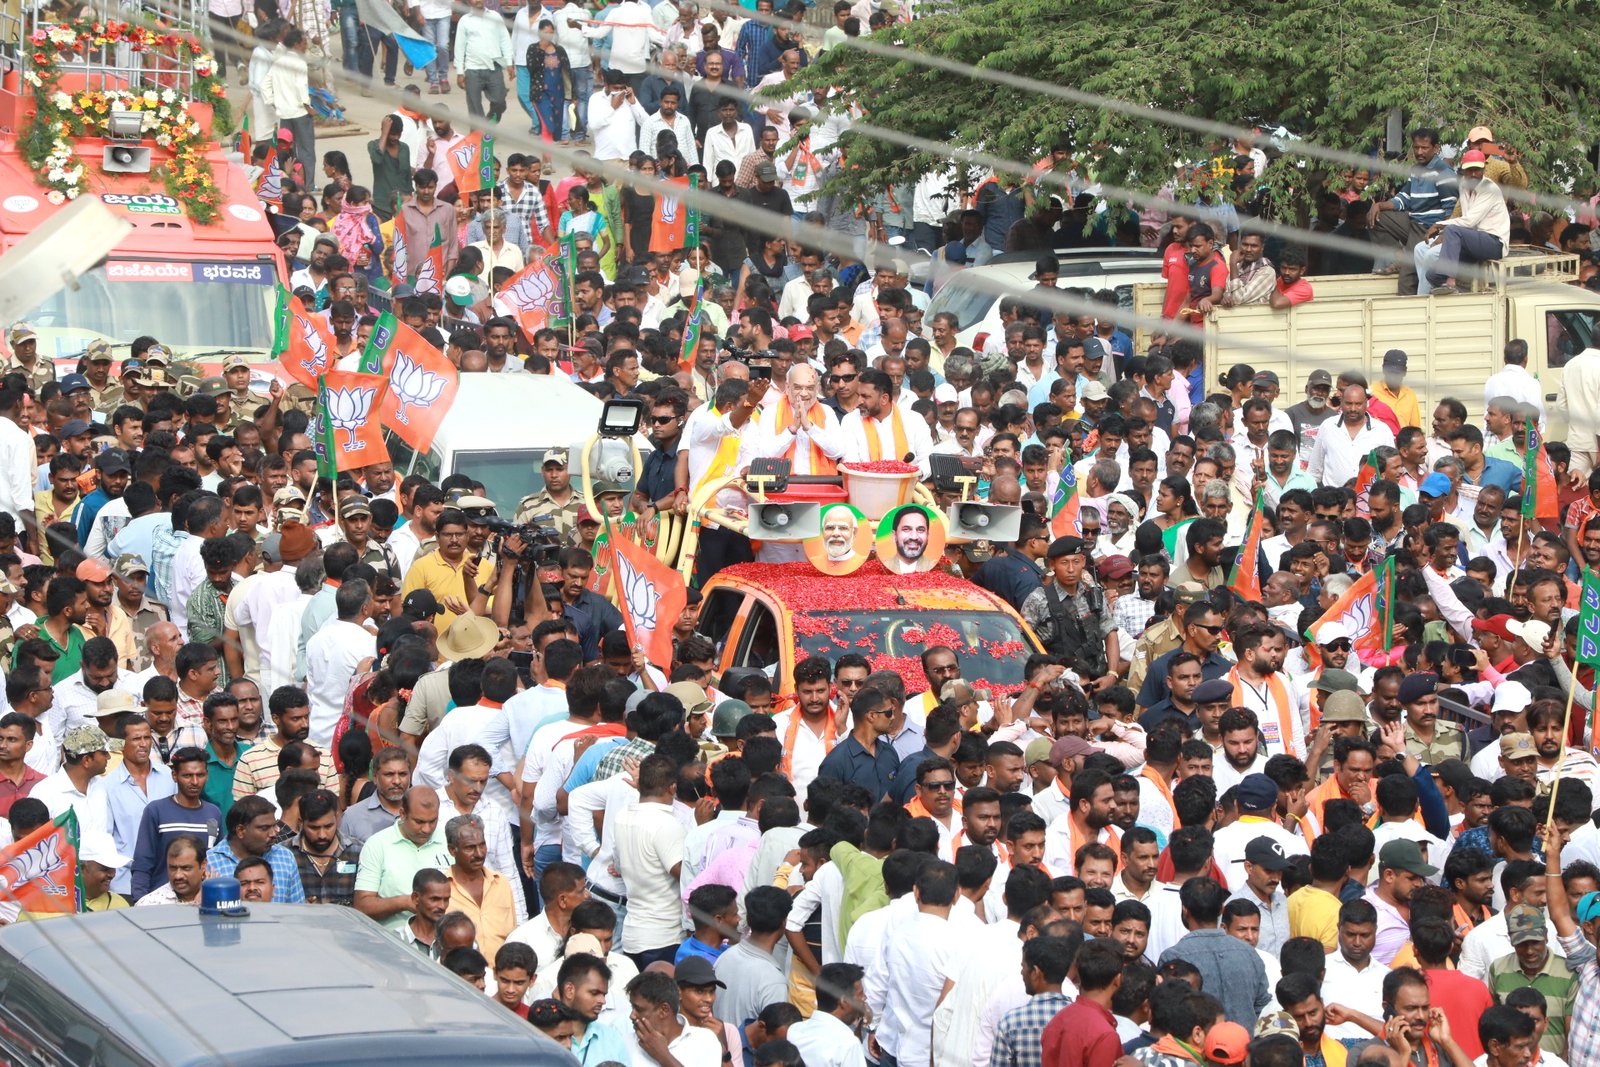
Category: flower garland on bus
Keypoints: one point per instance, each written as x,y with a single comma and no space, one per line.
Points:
61,115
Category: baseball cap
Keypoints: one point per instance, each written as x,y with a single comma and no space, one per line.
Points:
1479,133
1533,633
1257,792
99,847
1227,1043
354,504
943,394
459,289
1588,907
1499,625
1065,546
1517,746
420,604
766,172
1524,922
1212,691
82,740
73,428
1329,632
1334,680
1435,484
1344,706
1402,855
801,333
1417,686
697,971
1038,751
272,548
235,361
1319,377
114,702
285,135
558,456
1396,357
20,332
156,354
1511,696
1069,747
128,564
1265,377
74,383
288,495
113,461
1266,853
98,352
691,696
1095,391
585,515
1113,567
1472,159
93,569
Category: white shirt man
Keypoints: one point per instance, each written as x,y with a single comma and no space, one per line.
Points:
1513,380
1361,990
477,724
332,656
633,32
919,442
649,846
75,702
825,1041
615,119
1336,457
798,439
916,953
500,845
676,124
720,144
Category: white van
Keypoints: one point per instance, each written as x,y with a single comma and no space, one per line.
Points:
973,295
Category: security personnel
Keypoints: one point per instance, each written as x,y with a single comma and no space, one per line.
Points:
557,505
97,361
1162,637
242,400
24,343
1069,616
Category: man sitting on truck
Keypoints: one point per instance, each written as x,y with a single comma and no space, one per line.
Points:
1479,234
1425,200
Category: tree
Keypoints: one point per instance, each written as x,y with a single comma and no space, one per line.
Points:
1330,73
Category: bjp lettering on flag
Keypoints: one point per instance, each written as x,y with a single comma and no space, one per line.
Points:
343,432
472,163
422,382
40,872
303,344
1540,497
651,594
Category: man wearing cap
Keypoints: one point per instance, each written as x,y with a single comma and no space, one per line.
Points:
242,402
86,752
1259,874
355,529
24,342
1431,739
1258,801
1479,231
1401,869
1532,963
104,394
1070,616
112,473
556,504
1393,391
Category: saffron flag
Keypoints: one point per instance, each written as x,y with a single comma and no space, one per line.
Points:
1366,611
651,594
343,431
1064,505
422,382
1246,577
381,17
472,163
1540,498
669,225
302,343
1364,479
40,872
693,327
533,295
269,184
429,277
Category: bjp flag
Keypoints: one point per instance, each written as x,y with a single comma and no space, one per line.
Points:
669,227
1366,611
651,594
533,295
472,163
40,872
302,343
1246,577
422,382
343,431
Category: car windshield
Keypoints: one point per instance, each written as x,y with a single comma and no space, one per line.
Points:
200,305
507,475
991,644
968,303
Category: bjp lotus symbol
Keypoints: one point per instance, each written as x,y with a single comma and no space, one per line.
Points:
40,861
347,411
412,384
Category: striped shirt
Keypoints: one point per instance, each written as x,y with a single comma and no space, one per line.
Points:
286,886
1019,1037
1583,1040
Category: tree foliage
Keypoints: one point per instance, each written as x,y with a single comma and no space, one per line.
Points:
1329,72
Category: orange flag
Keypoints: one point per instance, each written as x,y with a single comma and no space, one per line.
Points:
343,431
40,872
533,294
472,163
651,594
303,343
1362,612
669,227
422,382
1246,577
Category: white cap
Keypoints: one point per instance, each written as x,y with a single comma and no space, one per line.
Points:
1533,632
1329,632
945,394
1511,696
98,846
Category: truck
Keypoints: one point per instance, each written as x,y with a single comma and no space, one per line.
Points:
1455,342
203,288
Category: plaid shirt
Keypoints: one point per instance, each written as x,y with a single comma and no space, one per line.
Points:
164,542
1583,1039
611,763
337,883
530,208
286,887
1019,1036
1132,613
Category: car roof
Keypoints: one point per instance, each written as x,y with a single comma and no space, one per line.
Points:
801,589
544,410
190,989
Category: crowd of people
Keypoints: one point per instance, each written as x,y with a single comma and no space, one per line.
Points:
347,692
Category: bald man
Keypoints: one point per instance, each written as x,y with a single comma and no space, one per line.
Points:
799,428
391,858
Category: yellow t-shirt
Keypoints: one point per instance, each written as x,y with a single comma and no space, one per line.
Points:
1314,913
435,574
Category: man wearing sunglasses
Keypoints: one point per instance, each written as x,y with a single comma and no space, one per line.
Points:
1202,633
1334,641
843,371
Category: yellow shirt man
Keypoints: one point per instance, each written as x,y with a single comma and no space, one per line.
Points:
444,580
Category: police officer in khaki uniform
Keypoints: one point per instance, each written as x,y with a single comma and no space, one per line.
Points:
24,342
557,505
242,401
1162,637
104,394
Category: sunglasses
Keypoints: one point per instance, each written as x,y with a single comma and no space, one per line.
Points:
1213,630
845,377
662,420
1341,645
939,787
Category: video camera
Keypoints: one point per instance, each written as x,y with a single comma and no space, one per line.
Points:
542,544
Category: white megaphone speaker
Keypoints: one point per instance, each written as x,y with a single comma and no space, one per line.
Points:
972,521
770,521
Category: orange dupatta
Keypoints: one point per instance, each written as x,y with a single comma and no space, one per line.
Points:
902,444
820,462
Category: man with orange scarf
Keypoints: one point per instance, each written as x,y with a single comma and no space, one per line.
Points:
881,429
800,429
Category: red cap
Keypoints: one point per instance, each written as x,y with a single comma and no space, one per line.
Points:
585,515
285,135
797,332
1500,625
1472,158
1227,1043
